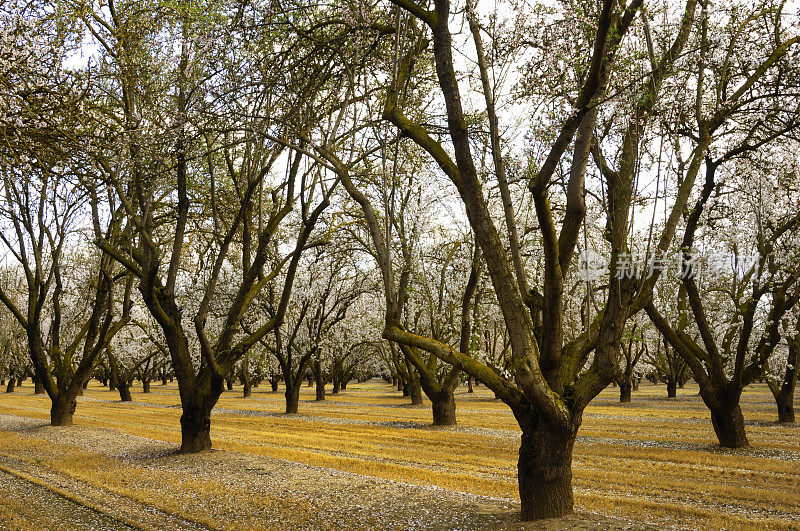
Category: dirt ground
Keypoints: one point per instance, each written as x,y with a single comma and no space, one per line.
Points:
365,459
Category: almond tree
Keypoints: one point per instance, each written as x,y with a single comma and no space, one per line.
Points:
205,150
743,121
782,379
68,318
551,384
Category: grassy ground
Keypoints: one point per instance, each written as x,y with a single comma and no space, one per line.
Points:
652,460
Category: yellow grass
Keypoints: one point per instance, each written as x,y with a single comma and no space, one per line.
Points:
652,460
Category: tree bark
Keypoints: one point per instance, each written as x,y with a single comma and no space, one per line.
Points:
728,424
292,397
38,388
470,389
671,388
415,390
124,392
320,389
785,402
444,409
247,388
274,385
625,389
336,386
62,410
146,386
195,429
545,470
10,388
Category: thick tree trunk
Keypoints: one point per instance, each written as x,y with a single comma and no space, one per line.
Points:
545,471
292,397
336,386
344,384
401,387
38,388
320,389
124,392
469,385
274,385
785,402
415,390
247,389
195,429
671,388
229,385
61,411
444,409
11,383
146,386
625,389
164,380
728,424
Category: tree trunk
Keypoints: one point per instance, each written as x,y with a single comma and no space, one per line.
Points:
247,388
10,388
146,386
469,385
545,471
292,397
164,380
785,402
195,429
229,384
444,409
344,384
625,389
320,389
671,388
415,390
61,411
336,386
728,424
401,386
274,385
124,392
